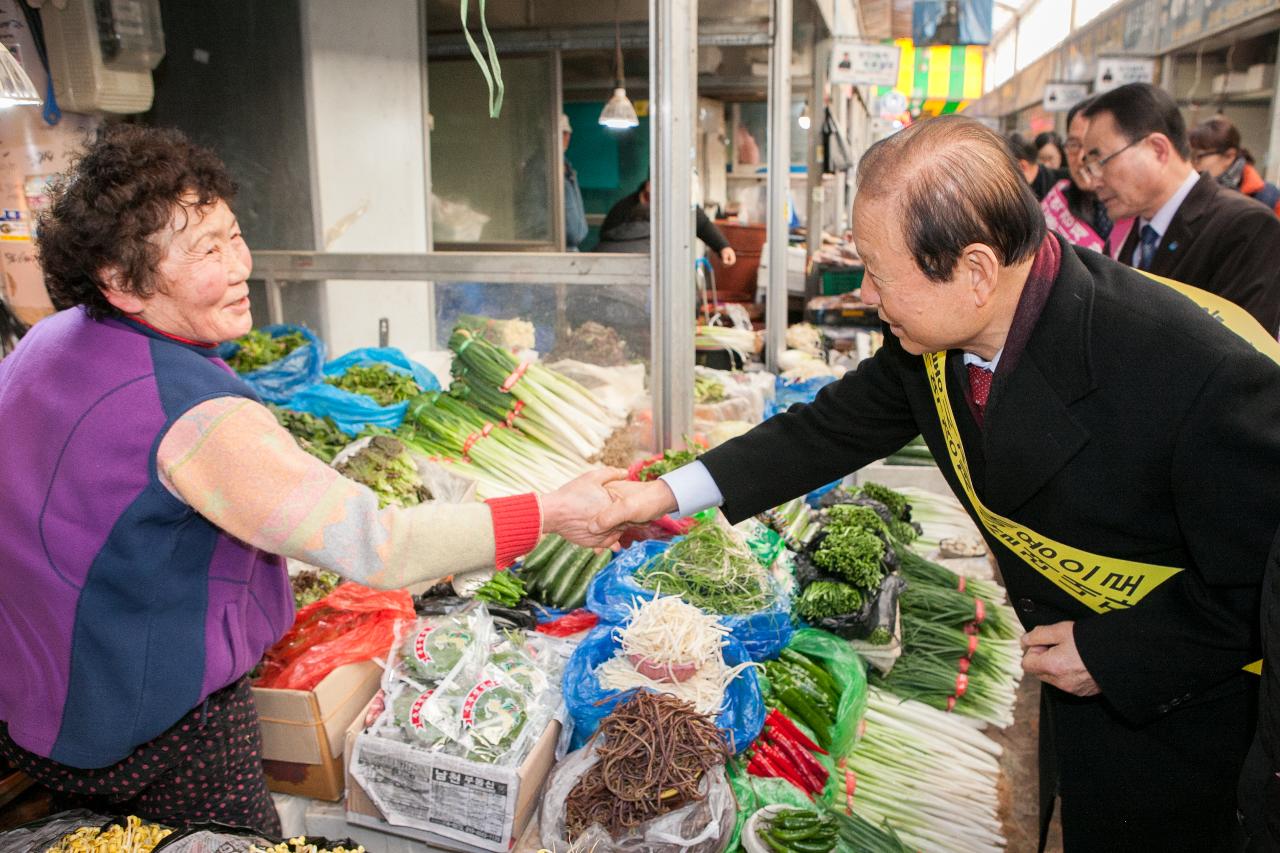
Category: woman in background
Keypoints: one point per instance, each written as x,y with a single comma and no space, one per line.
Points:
1215,148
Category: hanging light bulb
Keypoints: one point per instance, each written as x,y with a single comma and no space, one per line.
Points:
618,113
16,88
803,120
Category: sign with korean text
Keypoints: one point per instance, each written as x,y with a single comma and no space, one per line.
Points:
1116,71
856,63
1060,97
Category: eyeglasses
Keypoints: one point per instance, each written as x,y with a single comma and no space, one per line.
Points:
1093,164
1197,156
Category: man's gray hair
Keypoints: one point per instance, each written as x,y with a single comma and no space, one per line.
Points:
955,184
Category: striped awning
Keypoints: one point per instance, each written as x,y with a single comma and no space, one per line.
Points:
938,80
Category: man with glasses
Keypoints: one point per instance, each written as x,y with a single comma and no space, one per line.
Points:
1119,449
1188,227
1071,209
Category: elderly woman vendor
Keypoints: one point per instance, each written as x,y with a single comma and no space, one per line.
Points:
150,500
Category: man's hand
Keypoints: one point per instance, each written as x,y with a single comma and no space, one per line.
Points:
633,503
570,509
1049,653
728,256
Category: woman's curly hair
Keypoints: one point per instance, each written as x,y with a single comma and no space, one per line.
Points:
106,209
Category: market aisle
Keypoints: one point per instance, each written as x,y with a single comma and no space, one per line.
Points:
1020,783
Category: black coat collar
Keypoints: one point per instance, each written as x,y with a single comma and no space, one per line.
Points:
1029,433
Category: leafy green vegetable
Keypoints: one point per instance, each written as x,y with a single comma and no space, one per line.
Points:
855,516
710,569
311,586
258,349
708,390
880,637
385,466
895,501
854,554
670,461
822,599
318,436
379,382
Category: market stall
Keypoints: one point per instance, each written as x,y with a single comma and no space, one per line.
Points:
818,678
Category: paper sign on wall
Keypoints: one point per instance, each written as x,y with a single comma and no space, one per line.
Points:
1116,71
1060,97
858,64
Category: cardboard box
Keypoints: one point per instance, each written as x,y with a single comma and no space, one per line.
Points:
521,798
303,730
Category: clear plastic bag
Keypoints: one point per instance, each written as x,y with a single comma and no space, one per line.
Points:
42,834
704,826
434,646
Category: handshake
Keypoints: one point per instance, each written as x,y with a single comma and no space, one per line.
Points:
597,507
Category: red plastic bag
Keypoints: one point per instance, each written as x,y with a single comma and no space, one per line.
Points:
350,624
573,622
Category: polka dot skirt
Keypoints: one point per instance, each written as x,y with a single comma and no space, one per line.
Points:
207,767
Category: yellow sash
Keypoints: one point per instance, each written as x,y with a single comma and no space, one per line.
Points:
1101,583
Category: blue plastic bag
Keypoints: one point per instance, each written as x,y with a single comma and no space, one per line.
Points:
788,392
353,412
281,379
763,635
589,703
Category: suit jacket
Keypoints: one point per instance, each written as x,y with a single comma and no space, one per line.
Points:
1223,242
1134,426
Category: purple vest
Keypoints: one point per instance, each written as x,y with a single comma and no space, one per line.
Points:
121,608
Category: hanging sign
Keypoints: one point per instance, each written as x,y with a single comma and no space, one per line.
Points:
856,63
1060,97
1116,71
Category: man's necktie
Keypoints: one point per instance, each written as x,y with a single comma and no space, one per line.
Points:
1147,247
979,385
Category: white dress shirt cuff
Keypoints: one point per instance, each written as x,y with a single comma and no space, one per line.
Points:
694,488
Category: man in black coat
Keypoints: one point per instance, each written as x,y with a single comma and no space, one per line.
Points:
1189,227
1119,448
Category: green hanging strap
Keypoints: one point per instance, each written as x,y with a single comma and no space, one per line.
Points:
491,79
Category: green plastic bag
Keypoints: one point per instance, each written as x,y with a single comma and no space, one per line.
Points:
755,792
848,670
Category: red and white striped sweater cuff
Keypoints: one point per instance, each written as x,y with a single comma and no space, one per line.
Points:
517,526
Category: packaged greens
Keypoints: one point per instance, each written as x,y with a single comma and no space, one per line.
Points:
437,644
407,710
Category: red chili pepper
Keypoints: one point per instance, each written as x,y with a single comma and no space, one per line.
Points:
798,753
813,772
777,760
785,723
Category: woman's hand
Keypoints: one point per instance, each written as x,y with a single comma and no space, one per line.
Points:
728,256
570,509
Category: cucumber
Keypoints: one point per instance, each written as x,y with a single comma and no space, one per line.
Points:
543,550
577,595
561,585
551,571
